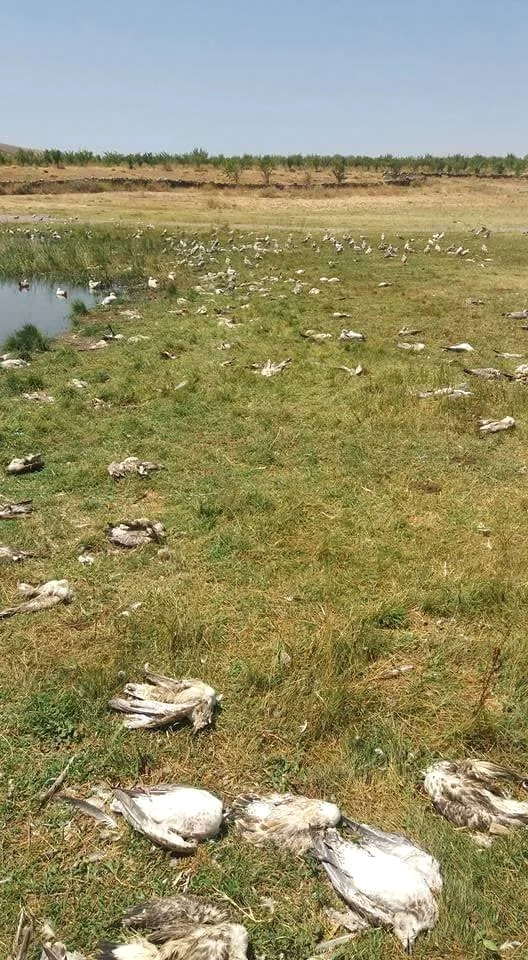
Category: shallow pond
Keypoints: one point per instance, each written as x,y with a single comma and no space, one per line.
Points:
39,305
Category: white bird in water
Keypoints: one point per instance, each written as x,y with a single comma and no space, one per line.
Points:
136,533
496,426
152,283
23,284
460,348
40,598
185,927
282,819
27,464
469,794
161,702
143,468
62,294
386,880
173,816
351,335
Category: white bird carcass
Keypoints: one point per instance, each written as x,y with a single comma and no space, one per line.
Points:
136,533
143,468
27,464
40,598
173,816
460,348
185,927
468,793
282,819
161,702
386,880
346,335
495,426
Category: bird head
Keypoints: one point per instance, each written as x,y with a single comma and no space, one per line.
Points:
406,928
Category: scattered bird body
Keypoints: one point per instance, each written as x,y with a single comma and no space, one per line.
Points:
352,371
40,598
411,347
185,927
27,464
315,336
172,816
132,465
460,391
408,332
269,369
485,373
517,315
136,533
39,397
9,511
385,879
496,426
13,363
282,819
460,348
109,299
468,793
162,701
12,554
351,335
152,283
93,284
78,384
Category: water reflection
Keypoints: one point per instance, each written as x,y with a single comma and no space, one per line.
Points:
37,302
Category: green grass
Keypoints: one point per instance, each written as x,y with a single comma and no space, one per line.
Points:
26,341
333,519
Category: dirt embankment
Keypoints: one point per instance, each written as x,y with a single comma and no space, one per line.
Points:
17,180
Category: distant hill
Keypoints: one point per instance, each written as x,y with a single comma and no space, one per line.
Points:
8,148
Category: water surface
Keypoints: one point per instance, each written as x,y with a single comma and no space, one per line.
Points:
39,305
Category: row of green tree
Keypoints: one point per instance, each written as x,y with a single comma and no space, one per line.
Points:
233,166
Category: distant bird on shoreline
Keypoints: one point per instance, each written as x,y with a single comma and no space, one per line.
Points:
62,294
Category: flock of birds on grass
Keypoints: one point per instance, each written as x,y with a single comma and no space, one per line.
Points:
384,879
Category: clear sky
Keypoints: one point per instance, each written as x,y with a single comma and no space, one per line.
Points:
266,76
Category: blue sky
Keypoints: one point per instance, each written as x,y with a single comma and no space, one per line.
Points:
266,76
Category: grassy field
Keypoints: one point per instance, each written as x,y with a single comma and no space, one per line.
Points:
321,529
451,205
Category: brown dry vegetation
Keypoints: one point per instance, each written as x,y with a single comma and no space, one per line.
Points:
439,204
